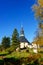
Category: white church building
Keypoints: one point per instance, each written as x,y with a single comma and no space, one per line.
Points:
24,43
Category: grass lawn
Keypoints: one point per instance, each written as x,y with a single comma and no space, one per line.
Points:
18,55
23,57
3,52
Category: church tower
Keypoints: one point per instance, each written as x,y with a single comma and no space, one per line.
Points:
23,41
22,32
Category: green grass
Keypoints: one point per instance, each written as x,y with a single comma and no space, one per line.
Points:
22,54
4,52
23,57
18,55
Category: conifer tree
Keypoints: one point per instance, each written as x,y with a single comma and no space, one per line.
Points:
15,38
5,42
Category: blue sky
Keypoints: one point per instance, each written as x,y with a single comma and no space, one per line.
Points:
13,13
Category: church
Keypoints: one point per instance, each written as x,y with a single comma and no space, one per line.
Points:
24,43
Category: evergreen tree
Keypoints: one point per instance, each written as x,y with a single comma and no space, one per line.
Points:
15,38
0,47
5,42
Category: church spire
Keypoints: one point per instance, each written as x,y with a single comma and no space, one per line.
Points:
22,31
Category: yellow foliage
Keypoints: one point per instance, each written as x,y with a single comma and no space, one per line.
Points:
38,9
41,26
40,2
39,41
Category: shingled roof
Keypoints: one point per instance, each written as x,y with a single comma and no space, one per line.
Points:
22,37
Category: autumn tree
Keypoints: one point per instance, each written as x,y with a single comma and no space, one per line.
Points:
38,11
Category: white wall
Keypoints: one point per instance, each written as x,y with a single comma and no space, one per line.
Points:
34,45
35,51
21,45
30,46
26,44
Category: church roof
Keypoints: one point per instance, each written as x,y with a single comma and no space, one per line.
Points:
22,37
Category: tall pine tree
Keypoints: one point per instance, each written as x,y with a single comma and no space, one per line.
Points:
15,38
5,42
